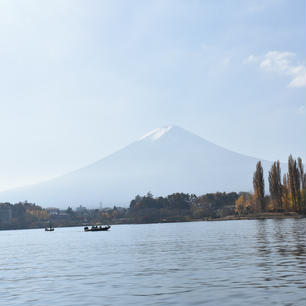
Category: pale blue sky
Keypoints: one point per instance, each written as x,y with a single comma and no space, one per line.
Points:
81,79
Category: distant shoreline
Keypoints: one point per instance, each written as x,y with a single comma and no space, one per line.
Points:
261,216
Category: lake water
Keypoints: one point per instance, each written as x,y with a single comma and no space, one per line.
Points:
255,262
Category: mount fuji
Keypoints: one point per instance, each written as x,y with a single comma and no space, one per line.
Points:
166,160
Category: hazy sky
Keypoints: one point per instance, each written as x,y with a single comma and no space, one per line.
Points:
81,79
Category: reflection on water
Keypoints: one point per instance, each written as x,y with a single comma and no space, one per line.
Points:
280,246
255,262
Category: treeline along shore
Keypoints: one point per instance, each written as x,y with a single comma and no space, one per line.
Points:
286,198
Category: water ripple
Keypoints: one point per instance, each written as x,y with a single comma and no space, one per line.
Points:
228,263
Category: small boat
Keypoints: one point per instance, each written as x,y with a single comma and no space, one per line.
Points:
49,228
96,228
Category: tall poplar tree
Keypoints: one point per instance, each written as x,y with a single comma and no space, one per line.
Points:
275,186
291,182
301,172
259,188
297,186
294,183
285,193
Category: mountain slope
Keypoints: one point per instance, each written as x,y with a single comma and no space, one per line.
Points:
163,161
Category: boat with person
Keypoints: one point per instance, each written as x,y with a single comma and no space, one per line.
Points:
97,228
49,228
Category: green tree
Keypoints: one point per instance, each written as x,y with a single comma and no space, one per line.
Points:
259,188
302,175
275,186
301,172
291,185
285,193
294,184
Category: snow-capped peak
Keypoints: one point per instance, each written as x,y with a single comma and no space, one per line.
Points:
156,133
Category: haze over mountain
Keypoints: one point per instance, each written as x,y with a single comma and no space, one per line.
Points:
164,161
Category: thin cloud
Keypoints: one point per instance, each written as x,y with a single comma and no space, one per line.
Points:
283,63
